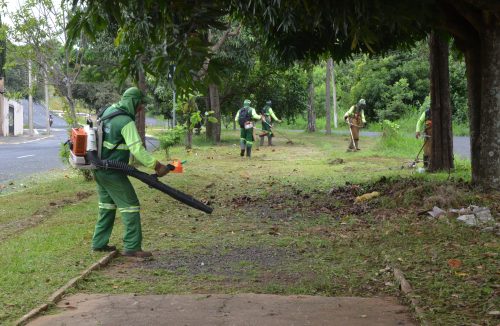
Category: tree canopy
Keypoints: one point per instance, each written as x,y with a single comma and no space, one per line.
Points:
157,34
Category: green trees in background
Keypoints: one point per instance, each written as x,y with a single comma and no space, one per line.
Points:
394,85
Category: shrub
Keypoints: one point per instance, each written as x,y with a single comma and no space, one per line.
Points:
170,138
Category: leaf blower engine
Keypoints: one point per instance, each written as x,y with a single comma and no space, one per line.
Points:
82,143
85,146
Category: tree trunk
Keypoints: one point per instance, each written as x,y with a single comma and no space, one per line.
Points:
189,136
215,106
488,174
328,126
209,128
442,136
335,117
311,115
473,70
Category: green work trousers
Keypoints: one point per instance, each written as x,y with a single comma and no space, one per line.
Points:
246,138
266,126
116,191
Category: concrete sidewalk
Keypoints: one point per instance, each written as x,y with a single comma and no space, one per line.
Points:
224,309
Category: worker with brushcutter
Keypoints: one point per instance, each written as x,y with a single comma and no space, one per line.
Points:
120,139
424,124
245,117
355,117
268,117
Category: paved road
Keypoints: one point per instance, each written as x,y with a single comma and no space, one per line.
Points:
461,144
39,116
24,156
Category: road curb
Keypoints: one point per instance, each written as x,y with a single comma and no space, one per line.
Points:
58,294
407,290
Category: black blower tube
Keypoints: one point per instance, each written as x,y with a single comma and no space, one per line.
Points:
148,179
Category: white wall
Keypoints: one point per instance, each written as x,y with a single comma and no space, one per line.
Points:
18,118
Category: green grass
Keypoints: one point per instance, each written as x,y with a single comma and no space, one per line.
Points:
274,229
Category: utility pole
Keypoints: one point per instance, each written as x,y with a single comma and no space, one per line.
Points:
335,124
328,108
2,115
30,100
3,50
47,114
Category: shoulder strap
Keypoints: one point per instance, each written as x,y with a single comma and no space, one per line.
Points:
100,131
112,115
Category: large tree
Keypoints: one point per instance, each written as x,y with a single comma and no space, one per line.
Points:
442,136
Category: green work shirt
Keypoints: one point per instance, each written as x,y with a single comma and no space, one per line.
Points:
421,123
268,111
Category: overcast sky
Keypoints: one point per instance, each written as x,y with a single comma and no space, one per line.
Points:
13,5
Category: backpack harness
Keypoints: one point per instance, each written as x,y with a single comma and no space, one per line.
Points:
100,129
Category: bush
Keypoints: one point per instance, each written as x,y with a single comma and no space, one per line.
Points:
170,138
390,129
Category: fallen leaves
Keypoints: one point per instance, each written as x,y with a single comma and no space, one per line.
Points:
454,263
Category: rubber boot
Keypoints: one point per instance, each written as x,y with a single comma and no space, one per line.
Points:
261,140
242,147
138,254
350,148
357,146
249,152
270,141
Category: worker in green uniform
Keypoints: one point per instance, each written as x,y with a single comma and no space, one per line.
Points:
355,117
425,120
268,117
120,139
245,117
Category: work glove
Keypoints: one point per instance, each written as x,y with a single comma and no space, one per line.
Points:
161,169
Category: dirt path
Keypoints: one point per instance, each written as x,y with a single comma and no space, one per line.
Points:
223,309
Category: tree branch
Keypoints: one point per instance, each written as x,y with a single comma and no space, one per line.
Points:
488,5
471,13
457,25
214,49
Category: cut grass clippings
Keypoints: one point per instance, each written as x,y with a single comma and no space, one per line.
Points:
284,223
